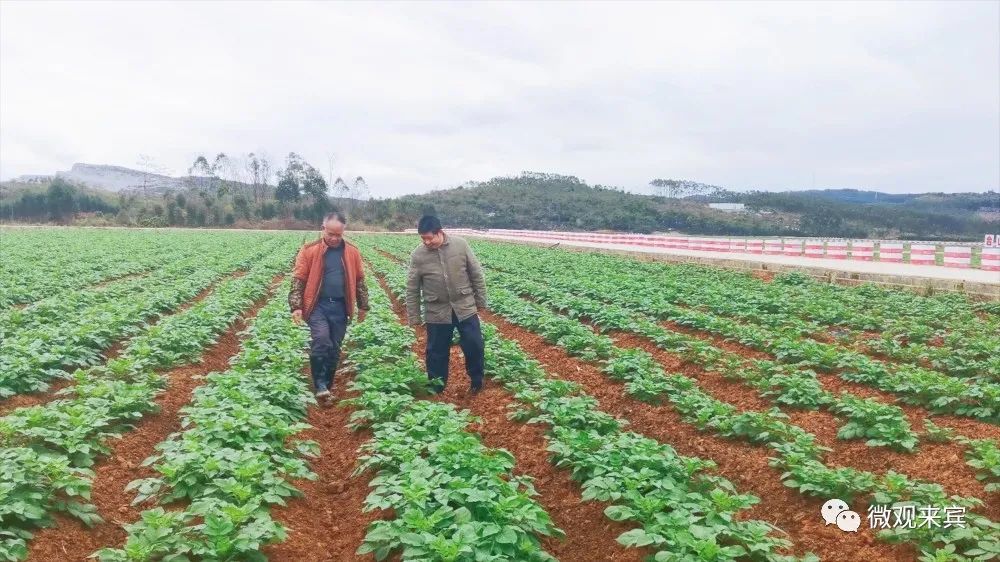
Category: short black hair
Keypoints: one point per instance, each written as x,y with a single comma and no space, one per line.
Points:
335,215
429,223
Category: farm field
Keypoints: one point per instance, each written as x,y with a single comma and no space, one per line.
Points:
154,405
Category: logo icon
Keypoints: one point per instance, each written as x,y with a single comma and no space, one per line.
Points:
848,521
833,508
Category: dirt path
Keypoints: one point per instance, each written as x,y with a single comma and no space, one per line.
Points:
933,462
70,540
745,465
38,398
587,530
327,524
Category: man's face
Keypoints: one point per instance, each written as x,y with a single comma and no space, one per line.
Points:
433,241
333,232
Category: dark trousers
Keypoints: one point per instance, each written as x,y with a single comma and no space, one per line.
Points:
327,326
439,344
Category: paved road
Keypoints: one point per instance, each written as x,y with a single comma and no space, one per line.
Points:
878,268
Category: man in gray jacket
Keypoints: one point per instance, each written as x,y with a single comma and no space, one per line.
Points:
446,278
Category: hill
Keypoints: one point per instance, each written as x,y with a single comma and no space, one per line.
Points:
530,201
108,178
860,197
546,201
549,201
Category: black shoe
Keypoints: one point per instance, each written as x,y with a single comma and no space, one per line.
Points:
474,390
318,367
324,397
330,370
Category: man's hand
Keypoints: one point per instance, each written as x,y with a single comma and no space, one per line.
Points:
361,314
297,316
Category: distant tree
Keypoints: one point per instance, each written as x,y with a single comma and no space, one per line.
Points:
359,190
299,179
61,199
203,175
152,173
226,172
287,190
258,171
682,188
241,206
313,183
340,189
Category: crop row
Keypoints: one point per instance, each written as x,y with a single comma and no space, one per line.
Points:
63,307
981,454
450,497
55,307
794,303
40,263
33,356
235,457
47,449
914,384
787,385
797,453
881,424
683,512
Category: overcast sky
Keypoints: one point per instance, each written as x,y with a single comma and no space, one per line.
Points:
899,97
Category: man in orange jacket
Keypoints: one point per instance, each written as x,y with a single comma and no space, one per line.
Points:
327,283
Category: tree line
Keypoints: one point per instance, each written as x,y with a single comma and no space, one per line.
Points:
249,192
221,191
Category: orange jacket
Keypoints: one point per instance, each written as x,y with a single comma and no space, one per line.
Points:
307,278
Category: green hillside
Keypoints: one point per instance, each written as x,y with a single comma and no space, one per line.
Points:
528,201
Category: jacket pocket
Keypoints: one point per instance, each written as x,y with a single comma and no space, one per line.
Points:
466,291
431,298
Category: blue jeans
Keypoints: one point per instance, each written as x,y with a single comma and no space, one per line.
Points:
470,337
327,326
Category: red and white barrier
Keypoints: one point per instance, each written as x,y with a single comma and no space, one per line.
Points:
958,256
792,248
814,249
719,245
890,252
863,250
772,247
836,249
991,259
922,254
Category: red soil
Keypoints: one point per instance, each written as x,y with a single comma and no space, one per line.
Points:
588,531
70,540
745,465
327,524
38,398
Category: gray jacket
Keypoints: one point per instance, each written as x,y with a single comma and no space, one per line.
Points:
448,279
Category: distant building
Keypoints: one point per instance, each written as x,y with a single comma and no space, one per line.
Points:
728,207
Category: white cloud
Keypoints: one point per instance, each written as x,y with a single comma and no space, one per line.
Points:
413,96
